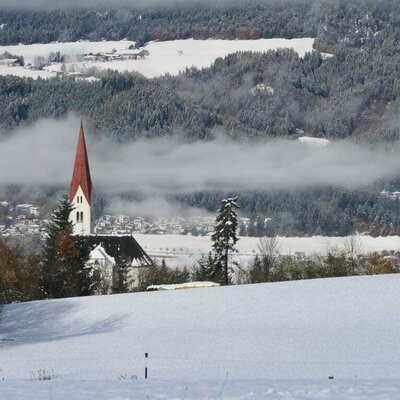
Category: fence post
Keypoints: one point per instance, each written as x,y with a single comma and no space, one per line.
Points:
146,355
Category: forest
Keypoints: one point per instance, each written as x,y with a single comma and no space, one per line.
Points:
247,20
351,93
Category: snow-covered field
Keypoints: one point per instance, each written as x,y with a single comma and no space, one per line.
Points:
69,49
181,250
202,390
267,341
164,57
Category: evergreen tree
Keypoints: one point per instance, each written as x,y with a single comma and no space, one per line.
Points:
121,280
251,230
256,271
206,269
260,226
64,257
224,237
242,229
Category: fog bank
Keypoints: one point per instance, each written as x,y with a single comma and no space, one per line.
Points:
43,155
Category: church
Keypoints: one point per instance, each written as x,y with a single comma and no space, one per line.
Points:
106,249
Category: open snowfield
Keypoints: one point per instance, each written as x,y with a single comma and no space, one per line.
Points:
165,57
267,341
175,56
179,250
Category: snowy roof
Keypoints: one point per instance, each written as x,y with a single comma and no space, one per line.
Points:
24,205
317,142
188,285
98,253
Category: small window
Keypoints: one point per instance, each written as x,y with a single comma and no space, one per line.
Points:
81,216
77,216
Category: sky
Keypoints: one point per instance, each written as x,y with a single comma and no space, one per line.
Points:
62,4
42,155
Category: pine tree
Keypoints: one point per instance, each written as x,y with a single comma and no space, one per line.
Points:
260,226
251,230
63,272
206,269
224,236
121,281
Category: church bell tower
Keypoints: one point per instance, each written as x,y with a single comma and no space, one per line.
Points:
80,193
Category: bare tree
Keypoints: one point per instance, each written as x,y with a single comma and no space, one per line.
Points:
353,248
268,249
353,244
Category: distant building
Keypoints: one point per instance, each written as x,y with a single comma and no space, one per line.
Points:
23,208
10,62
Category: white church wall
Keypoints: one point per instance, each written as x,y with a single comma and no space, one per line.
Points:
81,226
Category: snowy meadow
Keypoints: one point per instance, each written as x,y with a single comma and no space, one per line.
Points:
169,57
316,339
180,250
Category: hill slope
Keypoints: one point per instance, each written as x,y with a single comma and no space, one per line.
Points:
313,329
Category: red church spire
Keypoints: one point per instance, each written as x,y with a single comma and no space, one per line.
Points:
81,175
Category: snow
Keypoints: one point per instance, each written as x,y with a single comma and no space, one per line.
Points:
69,49
169,57
267,341
99,253
187,285
25,72
314,142
179,250
175,56
326,56
261,87
200,390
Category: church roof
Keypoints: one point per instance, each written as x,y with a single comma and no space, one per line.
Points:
99,253
81,175
125,247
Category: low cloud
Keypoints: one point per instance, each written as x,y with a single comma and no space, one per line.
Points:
153,207
42,155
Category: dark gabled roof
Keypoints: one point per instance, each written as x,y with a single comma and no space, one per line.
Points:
125,247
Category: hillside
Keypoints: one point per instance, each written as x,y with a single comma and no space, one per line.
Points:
346,89
346,328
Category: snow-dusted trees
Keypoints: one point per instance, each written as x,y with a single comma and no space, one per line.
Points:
64,257
224,237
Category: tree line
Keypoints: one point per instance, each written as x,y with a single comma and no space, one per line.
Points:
237,21
61,268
